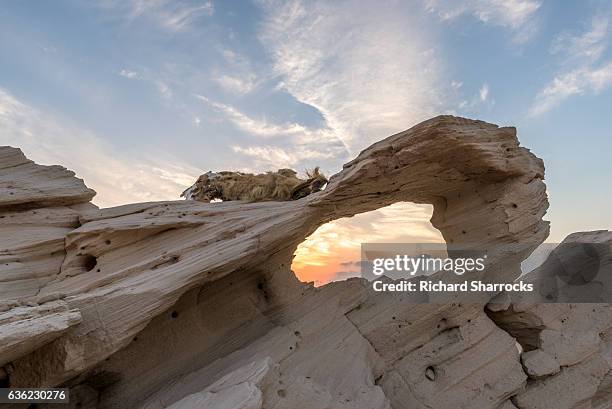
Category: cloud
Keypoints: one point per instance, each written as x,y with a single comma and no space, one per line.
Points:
508,13
352,264
238,85
517,15
174,15
583,73
237,75
118,177
483,92
369,69
160,85
456,85
163,88
274,157
133,75
480,99
261,127
587,47
575,82
302,144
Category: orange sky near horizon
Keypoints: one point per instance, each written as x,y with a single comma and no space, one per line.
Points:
333,251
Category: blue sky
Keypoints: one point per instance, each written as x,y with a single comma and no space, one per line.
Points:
139,97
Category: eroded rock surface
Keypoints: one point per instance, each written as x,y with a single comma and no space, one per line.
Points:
184,304
568,355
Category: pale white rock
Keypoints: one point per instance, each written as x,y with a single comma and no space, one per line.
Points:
39,205
570,347
576,336
239,389
572,387
241,396
24,183
470,366
539,364
24,329
32,244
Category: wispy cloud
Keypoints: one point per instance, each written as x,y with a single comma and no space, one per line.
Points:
271,157
484,92
236,84
133,75
481,99
583,73
117,177
163,88
576,82
456,85
302,143
161,85
262,127
236,76
587,47
173,15
312,45
517,15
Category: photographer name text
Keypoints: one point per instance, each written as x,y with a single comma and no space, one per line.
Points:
439,286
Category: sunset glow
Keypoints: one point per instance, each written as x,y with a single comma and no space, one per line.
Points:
332,252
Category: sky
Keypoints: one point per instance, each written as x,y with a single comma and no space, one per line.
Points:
140,97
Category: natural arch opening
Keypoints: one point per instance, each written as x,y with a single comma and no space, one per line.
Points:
333,251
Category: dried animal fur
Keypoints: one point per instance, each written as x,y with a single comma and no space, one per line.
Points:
281,185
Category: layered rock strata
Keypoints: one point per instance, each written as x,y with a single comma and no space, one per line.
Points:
184,304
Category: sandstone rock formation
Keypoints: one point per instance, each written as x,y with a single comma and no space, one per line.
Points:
190,305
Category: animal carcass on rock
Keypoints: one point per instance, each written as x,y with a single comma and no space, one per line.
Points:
270,186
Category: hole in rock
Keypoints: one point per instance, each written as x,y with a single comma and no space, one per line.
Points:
333,251
89,262
430,373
